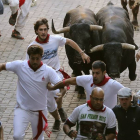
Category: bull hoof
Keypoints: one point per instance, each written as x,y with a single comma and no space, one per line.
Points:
133,78
135,25
136,28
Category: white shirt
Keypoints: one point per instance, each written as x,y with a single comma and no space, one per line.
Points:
50,48
31,85
89,120
110,89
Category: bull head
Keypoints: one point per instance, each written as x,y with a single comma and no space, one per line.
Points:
100,47
67,29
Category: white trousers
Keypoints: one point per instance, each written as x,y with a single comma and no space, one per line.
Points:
21,121
23,14
51,103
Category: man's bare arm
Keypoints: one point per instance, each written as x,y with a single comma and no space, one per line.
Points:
70,81
138,55
2,67
75,46
69,132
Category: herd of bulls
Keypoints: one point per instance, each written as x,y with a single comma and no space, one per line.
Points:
106,36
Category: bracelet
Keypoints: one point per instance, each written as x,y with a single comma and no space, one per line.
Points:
81,52
70,133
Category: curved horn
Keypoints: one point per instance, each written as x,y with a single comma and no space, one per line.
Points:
95,27
128,46
97,48
63,30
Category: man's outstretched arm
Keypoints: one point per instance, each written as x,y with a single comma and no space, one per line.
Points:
75,46
70,81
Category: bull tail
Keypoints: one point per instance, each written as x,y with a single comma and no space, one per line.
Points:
110,3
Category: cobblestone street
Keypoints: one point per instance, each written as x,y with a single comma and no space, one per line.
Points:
13,49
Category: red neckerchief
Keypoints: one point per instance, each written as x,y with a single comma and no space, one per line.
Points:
38,67
45,41
102,109
105,80
21,2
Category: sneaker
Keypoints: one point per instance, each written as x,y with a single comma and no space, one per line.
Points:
62,114
16,35
34,2
56,126
12,19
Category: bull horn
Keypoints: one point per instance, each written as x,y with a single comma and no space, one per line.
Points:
63,30
97,48
128,46
95,27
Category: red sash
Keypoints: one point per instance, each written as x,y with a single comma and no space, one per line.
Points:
21,2
40,126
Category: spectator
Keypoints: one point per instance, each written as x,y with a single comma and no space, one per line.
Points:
128,116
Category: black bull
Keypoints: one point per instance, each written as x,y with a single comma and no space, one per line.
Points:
118,47
80,26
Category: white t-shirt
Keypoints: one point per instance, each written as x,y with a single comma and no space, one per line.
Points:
31,85
110,89
90,122
50,48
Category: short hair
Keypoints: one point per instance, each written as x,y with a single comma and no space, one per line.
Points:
35,49
42,21
99,64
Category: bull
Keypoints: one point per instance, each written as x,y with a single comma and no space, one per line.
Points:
80,25
117,47
134,5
